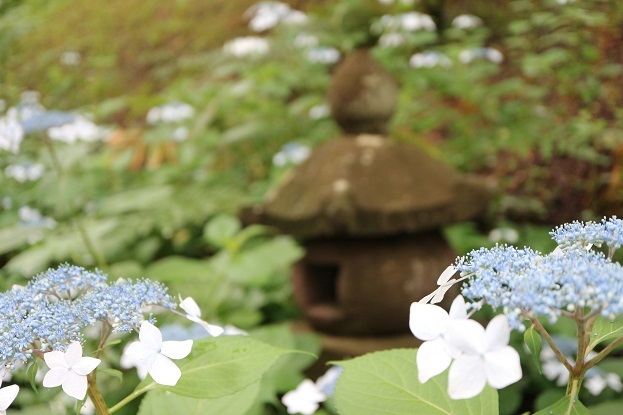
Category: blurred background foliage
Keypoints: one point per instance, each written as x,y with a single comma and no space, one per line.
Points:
529,99
540,120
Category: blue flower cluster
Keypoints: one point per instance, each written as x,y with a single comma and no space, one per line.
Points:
52,309
523,282
583,234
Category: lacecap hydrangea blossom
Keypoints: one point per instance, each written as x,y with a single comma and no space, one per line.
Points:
46,319
575,281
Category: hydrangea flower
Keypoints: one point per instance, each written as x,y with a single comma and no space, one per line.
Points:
170,113
267,14
52,309
432,324
193,313
249,46
7,396
429,59
489,54
466,21
11,134
445,283
69,370
154,354
305,399
582,234
485,357
81,129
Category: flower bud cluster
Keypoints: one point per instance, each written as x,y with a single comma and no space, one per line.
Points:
52,309
523,282
583,234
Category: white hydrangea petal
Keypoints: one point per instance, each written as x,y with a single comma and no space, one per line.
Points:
212,329
164,371
467,377
427,321
55,377
441,292
150,335
55,359
86,365
497,333
458,309
427,298
7,396
73,354
502,367
467,336
189,305
75,385
141,354
432,359
446,275
176,349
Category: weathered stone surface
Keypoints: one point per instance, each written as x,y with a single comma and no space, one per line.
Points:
369,185
362,95
360,286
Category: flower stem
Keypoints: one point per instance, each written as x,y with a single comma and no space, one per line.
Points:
96,396
131,397
88,243
606,350
537,324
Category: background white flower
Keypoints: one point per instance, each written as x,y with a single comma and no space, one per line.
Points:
69,370
154,354
305,399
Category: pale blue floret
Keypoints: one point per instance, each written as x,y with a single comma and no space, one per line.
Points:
582,234
523,282
52,309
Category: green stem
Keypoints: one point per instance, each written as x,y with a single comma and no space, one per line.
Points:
88,243
573,389
537,324
96,396
53,156
583,337
606,350
131,397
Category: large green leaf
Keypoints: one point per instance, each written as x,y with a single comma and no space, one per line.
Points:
161,402
607,408
605,329
565,407
221,229
222,366
387,382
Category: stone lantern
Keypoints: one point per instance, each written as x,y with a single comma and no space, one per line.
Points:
369,212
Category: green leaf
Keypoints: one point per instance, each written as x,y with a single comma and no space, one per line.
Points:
112,372
177,269
605,329
161,402
32,374
532,338
565,407
607,408
223,365
387,382
221,229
